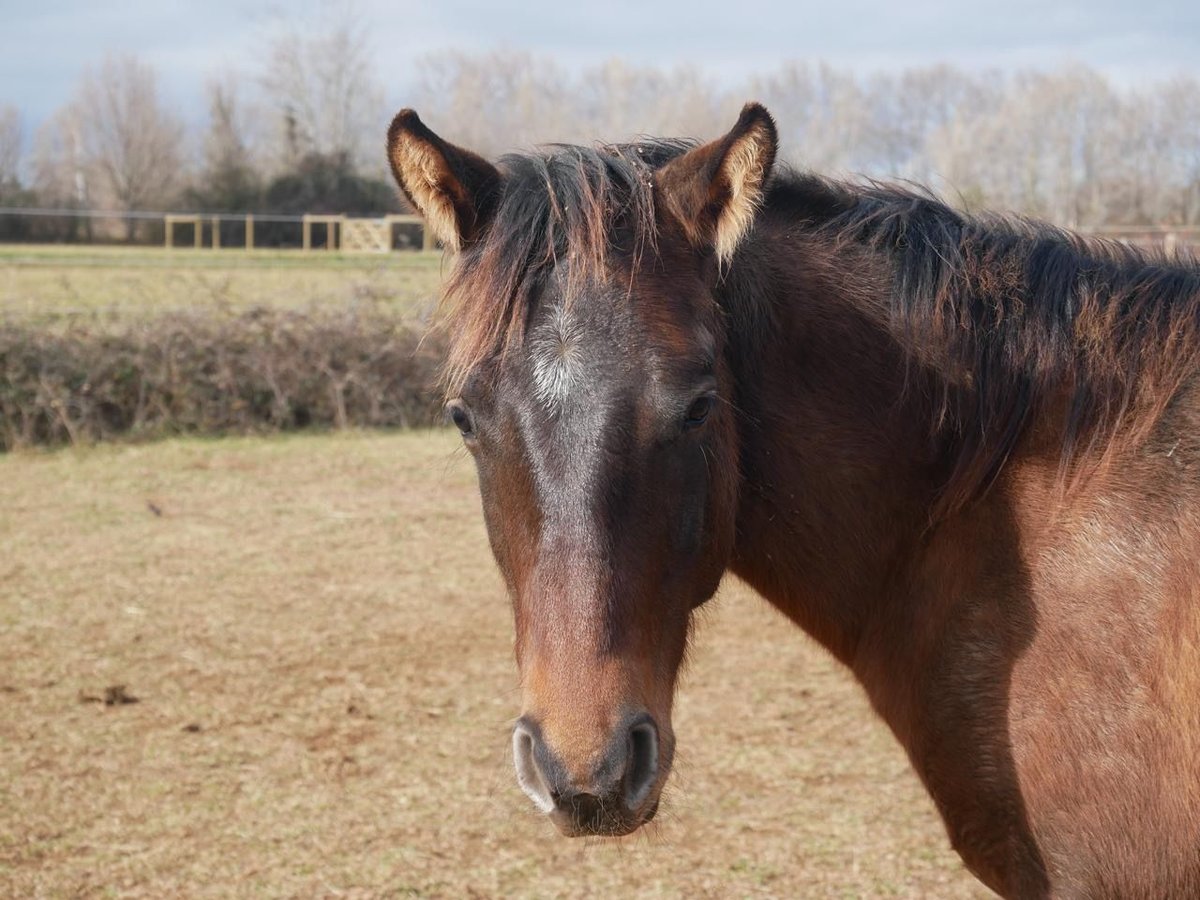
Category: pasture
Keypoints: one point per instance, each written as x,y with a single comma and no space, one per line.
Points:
320,651
52,281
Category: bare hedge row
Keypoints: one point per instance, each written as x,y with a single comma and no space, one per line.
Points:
215,371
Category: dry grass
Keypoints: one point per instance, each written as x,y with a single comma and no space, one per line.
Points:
319,648
53,281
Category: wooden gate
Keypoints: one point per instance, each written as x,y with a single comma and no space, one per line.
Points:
366,236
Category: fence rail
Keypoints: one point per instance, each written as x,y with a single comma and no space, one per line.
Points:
333,232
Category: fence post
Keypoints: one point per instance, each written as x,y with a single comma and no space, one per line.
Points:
168,223
250,231
216,228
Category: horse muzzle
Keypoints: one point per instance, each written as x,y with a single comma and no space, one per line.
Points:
616,795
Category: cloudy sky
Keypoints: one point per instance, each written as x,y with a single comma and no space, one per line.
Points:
44,46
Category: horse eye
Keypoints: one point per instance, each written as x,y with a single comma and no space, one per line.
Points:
698,411
461,418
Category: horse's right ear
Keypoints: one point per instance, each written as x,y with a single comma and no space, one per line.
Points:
454,189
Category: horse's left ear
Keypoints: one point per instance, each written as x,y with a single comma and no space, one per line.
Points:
454,189
715,190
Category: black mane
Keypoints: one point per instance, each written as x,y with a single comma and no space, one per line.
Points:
1015,312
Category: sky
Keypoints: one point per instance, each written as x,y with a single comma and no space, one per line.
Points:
45,46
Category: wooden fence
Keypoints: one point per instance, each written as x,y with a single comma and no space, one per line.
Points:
341,233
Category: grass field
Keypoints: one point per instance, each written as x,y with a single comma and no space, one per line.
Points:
319,647
57,281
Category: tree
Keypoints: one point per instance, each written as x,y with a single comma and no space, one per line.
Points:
908,113
824,116
323,94
498,101
12,193
329,184
1180,102
129,142
622,101
11,136
60,175
1042,147
506,100
228,180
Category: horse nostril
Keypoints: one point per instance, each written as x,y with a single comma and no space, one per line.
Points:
529,774
642,765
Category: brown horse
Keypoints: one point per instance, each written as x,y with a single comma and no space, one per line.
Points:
962,453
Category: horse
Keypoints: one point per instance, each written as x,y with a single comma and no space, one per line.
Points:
962,451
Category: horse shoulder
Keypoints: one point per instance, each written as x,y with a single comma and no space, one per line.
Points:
1104,702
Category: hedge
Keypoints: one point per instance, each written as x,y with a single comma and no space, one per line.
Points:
215,371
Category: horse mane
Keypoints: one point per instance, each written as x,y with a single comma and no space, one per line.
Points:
1017,316
1020,317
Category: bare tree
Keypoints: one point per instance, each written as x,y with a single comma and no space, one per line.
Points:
1180,112
1036,143
501,100
227,143
322,92
619,101
11,137
59,168
228,179
907,113
60,171
507,100
824,114
129,144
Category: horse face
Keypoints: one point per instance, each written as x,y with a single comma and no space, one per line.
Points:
591,386
607,465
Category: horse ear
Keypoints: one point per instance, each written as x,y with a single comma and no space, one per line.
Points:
715,190
454,189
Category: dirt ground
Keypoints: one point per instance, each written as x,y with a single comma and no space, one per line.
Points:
282,668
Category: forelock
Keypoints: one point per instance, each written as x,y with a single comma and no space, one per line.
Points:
566,209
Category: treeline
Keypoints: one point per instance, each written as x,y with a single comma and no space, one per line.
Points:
1068,145
301,134
304,133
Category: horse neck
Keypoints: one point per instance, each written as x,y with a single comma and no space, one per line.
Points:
839,473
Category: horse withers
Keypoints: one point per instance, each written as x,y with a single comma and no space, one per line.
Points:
961,452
